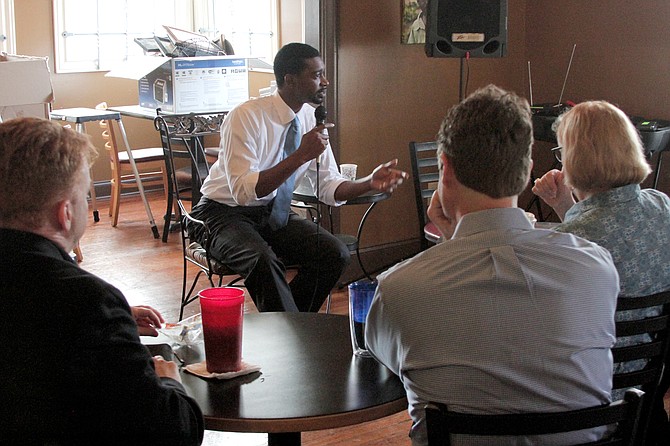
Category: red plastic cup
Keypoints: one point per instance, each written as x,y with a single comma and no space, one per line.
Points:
222,314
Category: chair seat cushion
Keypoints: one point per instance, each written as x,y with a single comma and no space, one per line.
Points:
151,154
183,177
197,253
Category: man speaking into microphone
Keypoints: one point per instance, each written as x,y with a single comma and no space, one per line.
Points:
267,147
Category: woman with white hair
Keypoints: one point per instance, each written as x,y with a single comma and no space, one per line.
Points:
597,196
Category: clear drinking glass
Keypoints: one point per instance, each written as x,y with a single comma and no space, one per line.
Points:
360,298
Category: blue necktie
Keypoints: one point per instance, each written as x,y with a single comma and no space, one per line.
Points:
282,202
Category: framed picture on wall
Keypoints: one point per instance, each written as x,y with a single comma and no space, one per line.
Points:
413,26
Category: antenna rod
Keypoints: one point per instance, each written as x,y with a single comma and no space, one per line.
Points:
566,75
530,84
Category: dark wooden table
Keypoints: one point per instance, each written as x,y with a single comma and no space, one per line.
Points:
309,380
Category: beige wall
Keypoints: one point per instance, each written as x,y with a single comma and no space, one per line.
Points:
390,94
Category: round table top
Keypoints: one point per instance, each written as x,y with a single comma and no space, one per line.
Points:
309,379
366,198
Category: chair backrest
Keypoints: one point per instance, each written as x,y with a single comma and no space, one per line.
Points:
425,176
655,352
109,136
166,130
182,137
441,422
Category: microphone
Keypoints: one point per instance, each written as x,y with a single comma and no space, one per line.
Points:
320,114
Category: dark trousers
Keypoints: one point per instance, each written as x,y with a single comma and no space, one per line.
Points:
242,240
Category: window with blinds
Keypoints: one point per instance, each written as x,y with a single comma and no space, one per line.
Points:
98,35
7,34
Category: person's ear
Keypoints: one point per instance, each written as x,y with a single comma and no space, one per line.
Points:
447,170
64,214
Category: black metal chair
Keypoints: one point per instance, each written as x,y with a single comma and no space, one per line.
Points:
425,176
442,423
183,131
197,254
182,137
654,378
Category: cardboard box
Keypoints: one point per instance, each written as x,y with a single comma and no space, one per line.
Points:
26,88
261,82
196,84
190,84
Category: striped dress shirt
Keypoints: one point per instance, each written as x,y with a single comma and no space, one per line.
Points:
501,318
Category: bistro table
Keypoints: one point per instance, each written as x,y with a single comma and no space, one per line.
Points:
370,198
309,380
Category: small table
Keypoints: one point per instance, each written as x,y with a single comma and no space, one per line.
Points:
371,198
309,380
135,111
79,116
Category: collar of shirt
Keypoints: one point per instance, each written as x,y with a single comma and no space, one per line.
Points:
31,242
284,112
604,199
492,219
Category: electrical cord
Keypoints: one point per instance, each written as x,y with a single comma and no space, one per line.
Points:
320,114
318,232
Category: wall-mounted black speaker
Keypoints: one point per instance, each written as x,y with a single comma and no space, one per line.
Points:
458,27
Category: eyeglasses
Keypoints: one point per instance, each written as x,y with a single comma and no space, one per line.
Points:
558,152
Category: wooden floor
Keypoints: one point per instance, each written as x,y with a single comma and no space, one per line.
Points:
149,272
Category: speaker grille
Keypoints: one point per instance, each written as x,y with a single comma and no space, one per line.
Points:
456,27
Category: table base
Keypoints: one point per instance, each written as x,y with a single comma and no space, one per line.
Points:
284,439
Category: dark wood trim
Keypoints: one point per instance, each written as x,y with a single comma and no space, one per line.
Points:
328,24
378,258
328,44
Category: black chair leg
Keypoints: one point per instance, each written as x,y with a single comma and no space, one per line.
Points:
167,218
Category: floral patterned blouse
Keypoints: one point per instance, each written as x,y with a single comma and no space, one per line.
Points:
634,226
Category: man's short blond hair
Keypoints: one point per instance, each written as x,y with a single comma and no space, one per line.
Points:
39,162
601,148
